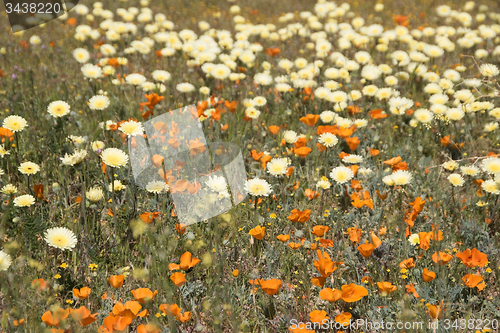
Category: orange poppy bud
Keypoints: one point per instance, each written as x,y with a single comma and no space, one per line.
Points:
82,293
116,281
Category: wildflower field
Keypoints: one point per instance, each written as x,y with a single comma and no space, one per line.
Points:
370,154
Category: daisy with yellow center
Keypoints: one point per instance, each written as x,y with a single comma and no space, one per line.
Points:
15,123
61,238
28,168
131,128
114,157
58,109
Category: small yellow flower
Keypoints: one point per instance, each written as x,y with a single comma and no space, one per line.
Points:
69,301
273,216
489,270
158,315
63,265
57,276
93,266
403,271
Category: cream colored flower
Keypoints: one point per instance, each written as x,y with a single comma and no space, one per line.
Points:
28,168
450,165
157,187
5,261
258,187
414,239
61,238
114,157
328,139
456,179
491,165
131,128
401,177
278,166
25,200
491,186
95,194
9,189
15,123
58,109
341,174
118,186
99,102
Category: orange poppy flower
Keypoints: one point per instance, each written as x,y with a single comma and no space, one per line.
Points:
170,309
435,311
354,234
54,319
178,279
38,189
273,52
410,289
310,119
473,280
264,160
271,287
142,295
283,238
231,106
353,109
39,284
324,264
375,240
82,315
82,293
18,322
258,232
187,262
116,323
273,129
148,328
157,160
428,275
294,246
393,161
386,288
374,152
180,227
311,194
343,318
378,114
318,316
402,20
324,243
183,317
425,239
299,215
301,142
353,142
352,293
441,258
6,133
320,230
318,281
473,258
330,295
366,249
407,264
358,202
302,151
322,129
116,281
148,217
